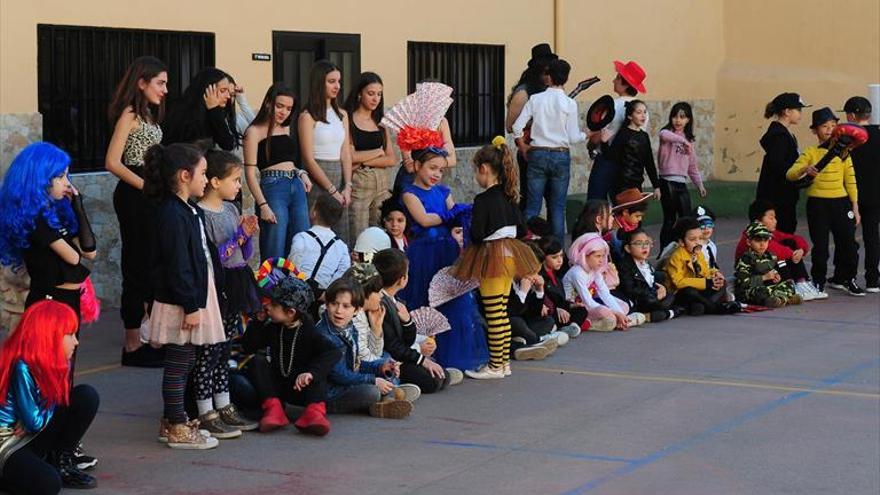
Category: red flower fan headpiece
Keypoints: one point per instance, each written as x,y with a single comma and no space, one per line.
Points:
416,117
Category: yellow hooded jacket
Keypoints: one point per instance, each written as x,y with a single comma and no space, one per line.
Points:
836,180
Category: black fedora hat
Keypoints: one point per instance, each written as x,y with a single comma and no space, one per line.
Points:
821,116
542,53
601,113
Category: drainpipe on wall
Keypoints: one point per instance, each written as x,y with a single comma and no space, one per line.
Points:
557,26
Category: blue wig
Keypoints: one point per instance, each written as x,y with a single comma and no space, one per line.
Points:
24,196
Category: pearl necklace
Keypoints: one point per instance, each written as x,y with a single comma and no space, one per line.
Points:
286,372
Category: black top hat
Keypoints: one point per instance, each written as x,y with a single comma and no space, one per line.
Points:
857,104
542,53
601,113
821,116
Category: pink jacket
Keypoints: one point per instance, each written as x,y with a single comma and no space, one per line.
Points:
673,158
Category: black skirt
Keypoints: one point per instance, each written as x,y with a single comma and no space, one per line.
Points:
242,293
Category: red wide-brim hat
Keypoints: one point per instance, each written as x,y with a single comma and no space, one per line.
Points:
632,73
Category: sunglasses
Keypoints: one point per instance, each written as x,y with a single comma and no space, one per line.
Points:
707,225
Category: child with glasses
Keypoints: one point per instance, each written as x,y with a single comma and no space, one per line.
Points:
640,284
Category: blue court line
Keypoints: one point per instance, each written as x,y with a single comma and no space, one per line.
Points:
721,427
873,324
513,448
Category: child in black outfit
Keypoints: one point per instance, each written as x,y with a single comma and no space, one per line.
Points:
552,270
299,359
640,284
533,335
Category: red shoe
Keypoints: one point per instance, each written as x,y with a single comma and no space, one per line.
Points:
586,325
314,420
273,415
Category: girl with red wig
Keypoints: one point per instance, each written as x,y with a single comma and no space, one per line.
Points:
41,416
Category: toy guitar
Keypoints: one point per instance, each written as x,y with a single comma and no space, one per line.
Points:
845,138
580,88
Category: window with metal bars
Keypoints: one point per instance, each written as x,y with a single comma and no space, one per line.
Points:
79,67
476,74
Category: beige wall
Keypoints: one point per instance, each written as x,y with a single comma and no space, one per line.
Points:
824,50
677,42
384,26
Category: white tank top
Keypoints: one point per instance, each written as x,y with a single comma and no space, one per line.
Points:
329,137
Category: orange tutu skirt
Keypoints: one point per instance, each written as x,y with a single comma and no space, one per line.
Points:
487,260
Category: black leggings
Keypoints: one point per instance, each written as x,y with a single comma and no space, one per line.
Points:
418,375
710,299
270,384
25,471
676,203
211,372
831,216
135,215
659,310
179,361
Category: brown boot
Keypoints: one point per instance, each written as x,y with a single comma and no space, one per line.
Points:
391,408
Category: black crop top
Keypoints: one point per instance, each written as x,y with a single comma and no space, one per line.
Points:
366,140
282,148
45,267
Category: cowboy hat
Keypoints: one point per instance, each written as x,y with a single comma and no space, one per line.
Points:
601,113
629,197
632,73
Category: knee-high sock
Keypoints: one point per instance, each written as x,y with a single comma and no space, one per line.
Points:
493,293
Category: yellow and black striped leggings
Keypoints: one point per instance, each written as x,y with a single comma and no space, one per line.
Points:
494,293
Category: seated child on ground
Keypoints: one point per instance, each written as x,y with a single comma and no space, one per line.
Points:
706,218
757,279
788,248
585,282
416,365
299,359
355,385
549,251
694,285
640,284
318,252
627,216
533,335
368,320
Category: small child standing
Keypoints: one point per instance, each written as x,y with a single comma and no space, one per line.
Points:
677,160
832,206
695,285
757,279
232,234
585,282
186,312
640,283
496,256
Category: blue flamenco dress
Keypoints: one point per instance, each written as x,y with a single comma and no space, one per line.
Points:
431,249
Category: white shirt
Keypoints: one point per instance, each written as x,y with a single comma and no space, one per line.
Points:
577,282
645,268
328,138
554,120
305,250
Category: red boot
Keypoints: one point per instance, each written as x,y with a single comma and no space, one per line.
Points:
314,420
273,415
586,325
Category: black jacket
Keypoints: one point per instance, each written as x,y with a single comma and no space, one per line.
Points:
179,271
633,285
780,153
866,162
313,353
554,292
492,211
204,129
631,152
529,309
399,337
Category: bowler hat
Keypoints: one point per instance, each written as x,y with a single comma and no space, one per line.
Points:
542,53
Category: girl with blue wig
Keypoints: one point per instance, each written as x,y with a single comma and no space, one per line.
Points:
44,226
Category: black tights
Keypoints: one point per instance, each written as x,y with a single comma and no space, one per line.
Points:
676,203
25,471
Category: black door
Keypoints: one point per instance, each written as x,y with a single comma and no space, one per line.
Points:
294,53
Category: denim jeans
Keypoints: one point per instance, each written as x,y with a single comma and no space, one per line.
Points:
548,174
353,398
287,198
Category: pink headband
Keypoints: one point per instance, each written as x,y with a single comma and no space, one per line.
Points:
584,246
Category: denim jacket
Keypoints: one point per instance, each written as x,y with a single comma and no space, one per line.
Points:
349,370
23,405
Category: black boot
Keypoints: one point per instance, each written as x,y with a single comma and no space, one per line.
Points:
71,477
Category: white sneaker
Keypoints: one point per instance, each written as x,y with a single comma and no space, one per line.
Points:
635,319
485,373
507,370
805,290
819,293
455,376
560,338
572,330
411,391
530,353
872,290
603,325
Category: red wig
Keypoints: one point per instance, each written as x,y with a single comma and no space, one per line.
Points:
37,340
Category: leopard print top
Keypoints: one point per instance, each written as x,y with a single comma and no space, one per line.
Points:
139,140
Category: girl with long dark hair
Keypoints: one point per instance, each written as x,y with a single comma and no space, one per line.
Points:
372,152
205,113
278,186
326,151
136,111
